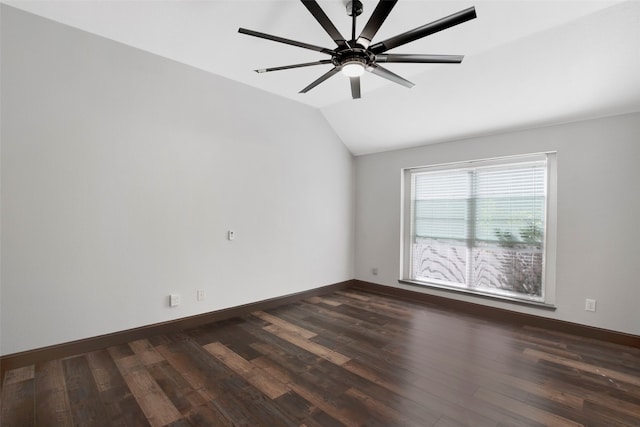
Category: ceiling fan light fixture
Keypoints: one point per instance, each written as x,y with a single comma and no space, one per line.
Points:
353,69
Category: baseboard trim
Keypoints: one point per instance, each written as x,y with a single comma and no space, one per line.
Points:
503,315
17,360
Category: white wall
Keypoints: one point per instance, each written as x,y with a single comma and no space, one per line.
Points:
121,174
598,213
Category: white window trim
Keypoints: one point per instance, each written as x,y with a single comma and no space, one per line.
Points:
550,242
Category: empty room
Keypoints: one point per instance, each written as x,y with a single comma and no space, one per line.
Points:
320,213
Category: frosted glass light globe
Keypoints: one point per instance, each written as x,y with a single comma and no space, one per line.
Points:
353,69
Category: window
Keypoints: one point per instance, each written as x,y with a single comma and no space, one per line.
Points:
484,227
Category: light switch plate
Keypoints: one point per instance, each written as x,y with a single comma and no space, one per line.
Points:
590,304
174,300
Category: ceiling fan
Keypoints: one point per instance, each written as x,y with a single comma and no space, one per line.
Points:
355,56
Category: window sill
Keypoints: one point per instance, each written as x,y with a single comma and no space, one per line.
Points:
513,300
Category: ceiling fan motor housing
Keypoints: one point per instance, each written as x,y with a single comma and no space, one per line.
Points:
354,55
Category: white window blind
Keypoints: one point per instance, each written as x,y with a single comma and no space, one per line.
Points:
480,226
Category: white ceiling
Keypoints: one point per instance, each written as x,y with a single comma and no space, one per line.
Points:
527,63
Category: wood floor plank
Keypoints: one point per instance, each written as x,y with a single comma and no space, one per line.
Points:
392,392
102,367
334,329
51,399
355,295
321,300
17,404
598,413
303,411
20,374
338,325
157,407
597,370
120,405
158,340
297,363
524,410
146,352
259,378
386,414
191,373
243,404
435,405
448,422
317,349
86,407
120,351
176,388
599,396
231,334
122,408
207,415
498,380
308,393
284,325
376,305
369,316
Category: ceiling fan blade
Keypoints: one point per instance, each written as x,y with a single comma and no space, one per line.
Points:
322,78
355,87
326,23
384,73
425,30
378,16
285,41
288,67
418,58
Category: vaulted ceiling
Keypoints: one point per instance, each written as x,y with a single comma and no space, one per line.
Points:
527,63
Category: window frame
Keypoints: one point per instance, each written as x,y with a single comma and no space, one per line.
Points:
549,252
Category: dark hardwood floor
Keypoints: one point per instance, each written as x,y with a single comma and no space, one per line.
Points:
346,359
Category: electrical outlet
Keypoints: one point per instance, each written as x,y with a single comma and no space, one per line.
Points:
200,294
174,300
231,235
374,271
590,304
